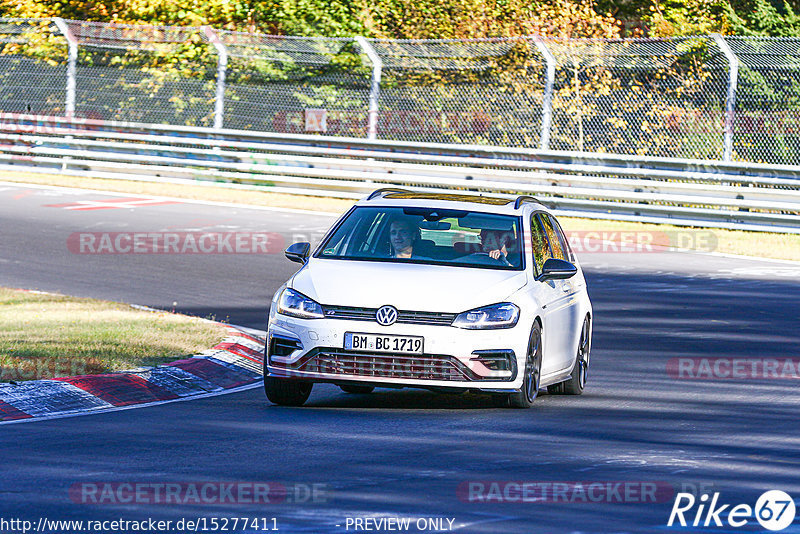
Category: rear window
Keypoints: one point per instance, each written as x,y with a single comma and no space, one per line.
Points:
428,236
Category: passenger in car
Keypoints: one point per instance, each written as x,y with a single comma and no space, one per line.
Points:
499,244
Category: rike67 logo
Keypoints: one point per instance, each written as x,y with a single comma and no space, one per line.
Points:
774,510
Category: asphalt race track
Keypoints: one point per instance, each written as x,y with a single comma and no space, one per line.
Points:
409,453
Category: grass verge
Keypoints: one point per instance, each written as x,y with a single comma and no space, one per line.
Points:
757,244
44,335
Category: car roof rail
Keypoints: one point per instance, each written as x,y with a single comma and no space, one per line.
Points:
382,191
526,198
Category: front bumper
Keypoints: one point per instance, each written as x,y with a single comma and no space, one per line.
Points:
453,358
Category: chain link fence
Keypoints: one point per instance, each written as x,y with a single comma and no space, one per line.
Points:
33,67
767,117
152,74
477,92
273,83
646,97
706,97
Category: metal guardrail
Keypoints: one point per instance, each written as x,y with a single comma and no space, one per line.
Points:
683,192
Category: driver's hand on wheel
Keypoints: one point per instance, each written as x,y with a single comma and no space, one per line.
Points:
495,254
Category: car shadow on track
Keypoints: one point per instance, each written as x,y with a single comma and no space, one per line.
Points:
325,396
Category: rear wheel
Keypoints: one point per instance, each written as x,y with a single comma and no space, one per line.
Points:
357,390
576,382
533,372
287,392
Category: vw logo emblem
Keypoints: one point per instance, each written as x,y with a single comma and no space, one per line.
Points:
386,315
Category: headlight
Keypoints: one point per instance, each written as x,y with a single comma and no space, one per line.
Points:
503,315
273,305
296,304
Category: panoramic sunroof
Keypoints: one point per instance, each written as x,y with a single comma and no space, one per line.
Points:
453,198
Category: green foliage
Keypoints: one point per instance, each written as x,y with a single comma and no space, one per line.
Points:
288,17
442,19
329,18
686,17
763,18
332,18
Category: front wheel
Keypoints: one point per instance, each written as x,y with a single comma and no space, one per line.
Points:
287,392
533,372
575,384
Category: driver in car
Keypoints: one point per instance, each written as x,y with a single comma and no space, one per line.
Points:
403,235
497,244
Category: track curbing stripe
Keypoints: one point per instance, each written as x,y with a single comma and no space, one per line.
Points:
233,363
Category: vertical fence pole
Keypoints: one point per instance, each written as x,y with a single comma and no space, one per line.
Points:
375,86
547,97
222,67
72,64
730,99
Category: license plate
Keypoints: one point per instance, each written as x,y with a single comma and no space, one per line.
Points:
383,343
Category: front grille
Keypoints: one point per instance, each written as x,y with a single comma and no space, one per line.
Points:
417,317
347,312
403,317
420,367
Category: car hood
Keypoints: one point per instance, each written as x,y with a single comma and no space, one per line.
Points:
436,288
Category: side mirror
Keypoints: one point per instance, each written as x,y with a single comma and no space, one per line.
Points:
298,252
555,269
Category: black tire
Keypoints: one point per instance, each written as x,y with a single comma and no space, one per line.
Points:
576,382
533,372
287,392
357,390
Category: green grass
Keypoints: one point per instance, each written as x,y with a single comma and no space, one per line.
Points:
46,336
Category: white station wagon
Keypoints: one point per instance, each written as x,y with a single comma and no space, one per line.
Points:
445,292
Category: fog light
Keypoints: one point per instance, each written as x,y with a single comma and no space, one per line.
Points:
283,346
497,360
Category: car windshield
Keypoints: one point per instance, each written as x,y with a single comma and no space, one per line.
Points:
427,235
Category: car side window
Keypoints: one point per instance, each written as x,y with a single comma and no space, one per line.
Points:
372,236
539,247
556,242
352,237
338,243
564,241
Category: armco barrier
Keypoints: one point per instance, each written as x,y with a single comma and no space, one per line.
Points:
684,192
